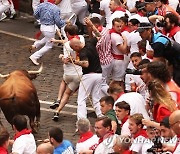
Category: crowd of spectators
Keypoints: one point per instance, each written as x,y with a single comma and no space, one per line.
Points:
125,54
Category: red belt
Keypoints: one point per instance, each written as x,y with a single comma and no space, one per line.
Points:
118,57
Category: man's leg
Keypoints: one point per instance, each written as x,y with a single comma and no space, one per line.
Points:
62,88
48,45
97,93
85,88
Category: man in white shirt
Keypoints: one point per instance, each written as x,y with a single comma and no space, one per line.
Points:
118,11
24,141
105,10
122,110
135,100
87,138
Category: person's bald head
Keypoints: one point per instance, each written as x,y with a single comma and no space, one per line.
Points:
76,44
45,148
174,121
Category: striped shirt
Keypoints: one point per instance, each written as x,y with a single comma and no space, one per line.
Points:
49,14
104,48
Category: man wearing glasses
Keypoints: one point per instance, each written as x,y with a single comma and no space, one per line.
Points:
174,121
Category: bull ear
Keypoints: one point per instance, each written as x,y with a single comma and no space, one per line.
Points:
4,76
38,71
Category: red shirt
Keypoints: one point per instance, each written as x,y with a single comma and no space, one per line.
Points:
160,112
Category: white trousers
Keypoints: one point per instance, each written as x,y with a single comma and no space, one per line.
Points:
48,35
91,85
3,8
107,70
81,10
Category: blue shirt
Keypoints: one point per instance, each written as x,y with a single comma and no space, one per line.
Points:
49,14
64,148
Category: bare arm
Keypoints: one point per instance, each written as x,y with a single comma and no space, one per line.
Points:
123,47
81,63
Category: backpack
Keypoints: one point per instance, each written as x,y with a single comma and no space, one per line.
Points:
171,45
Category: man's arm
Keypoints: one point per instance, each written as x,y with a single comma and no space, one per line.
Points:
123,47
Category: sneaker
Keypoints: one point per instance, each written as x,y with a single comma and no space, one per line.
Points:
55,104
34,60
13,15
3,16
56,116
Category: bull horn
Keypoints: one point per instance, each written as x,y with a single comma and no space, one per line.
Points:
38,71
4,76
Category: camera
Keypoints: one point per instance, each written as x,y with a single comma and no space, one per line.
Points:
161,23
133,71
157,145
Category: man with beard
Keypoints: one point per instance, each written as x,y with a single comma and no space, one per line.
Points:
171,27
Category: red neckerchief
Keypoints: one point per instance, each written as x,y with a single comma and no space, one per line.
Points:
127,152
112,30
124,120
85,136
121,93
100,28
142,132
141,14
162,11
3,150
23,132
126,28
110,133
177,143
120,9
173,31
73,36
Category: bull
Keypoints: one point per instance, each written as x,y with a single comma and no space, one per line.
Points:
18,95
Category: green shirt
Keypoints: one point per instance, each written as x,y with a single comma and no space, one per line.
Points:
112,115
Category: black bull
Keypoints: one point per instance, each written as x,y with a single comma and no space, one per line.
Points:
19,96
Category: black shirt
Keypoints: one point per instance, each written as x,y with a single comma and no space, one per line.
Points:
89,53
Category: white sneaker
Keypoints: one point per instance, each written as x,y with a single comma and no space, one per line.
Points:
3,16
34,60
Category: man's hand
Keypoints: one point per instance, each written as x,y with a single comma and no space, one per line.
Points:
88,22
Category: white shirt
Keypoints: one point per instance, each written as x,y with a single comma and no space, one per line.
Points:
137,144
131,4
125,129
140,18
117,14
87,144
133,40
69,68
104,6
173,4
177,37
136,102
106,146
4,2
147,145
25,144
116,40
65,6
141,86
177,151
